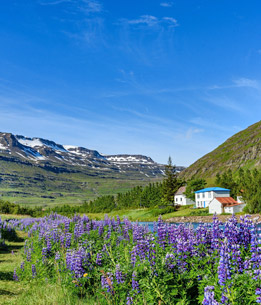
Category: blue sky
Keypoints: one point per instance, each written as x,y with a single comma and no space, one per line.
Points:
148,77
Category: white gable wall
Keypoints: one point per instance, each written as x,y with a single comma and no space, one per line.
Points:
182,200
215,207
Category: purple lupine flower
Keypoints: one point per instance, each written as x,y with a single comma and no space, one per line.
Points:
22,266
44,254
109,232
134,256
33,271
107,282
209,296
129,300
28,255
170,261
99,259
255,249
75,261
57,256
15,277
223,299
224,272
101,230
134,283
48,243
68,238
88,227
258,294
118,275
162,232
67,225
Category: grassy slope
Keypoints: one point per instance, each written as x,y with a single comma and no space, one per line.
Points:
33,185
94,188
241,150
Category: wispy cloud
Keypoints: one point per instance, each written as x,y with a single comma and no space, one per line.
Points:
211,124
86,6
246,82
151,21
166,4
171,21
225,102
192,131
237,83
54,2
144,19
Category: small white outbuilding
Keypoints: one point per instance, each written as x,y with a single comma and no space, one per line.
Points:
225,205
180,198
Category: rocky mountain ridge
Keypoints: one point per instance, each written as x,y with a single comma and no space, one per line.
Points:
46,153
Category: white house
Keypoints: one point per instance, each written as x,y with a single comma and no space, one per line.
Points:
180,198
225,205
205,196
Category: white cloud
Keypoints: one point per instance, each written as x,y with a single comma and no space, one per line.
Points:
246,82
225,102
144,19
166,4
54,2
151,21
86,6
92,6
171,21
191,131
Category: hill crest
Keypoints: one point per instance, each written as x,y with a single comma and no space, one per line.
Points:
241,150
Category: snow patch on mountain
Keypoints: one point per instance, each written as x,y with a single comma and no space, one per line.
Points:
127,159
35,154
37,142
2,147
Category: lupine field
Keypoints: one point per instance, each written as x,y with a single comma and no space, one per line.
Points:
119,262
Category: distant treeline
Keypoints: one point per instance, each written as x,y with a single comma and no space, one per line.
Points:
144,197
7,207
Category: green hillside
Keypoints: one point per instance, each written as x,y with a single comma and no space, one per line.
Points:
241,150
26,183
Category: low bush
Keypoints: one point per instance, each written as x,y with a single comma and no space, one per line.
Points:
200,212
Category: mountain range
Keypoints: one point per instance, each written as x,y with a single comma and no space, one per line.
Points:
48,154
39,168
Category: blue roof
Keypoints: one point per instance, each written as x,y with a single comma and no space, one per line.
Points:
215,189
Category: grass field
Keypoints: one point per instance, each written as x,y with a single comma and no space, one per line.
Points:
81,190
145,214
29,293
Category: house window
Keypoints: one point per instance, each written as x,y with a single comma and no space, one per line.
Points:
203,195
180,198
198,196
176,199
209,194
